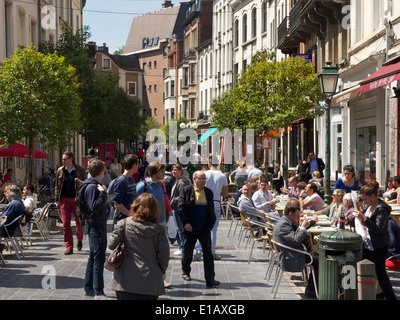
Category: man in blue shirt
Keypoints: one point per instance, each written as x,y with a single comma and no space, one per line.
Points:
314,164
153,185
124,188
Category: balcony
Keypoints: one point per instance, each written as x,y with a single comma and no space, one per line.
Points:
308,17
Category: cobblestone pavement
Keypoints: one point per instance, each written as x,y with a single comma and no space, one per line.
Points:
30,278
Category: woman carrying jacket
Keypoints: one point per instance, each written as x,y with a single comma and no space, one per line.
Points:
147,252
372,224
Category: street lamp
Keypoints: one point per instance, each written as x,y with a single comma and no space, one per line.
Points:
328,79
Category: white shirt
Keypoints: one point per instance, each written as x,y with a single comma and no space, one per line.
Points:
30,203
215,181
260,200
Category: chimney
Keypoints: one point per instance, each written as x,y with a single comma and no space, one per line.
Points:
103,48
167,4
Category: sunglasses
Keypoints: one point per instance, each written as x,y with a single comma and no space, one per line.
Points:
65,159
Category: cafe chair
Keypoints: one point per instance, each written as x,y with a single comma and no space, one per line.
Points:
280,270
256,232
235,220
244,228
13,236
39,221
272,255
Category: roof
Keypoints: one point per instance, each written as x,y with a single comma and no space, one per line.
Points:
124,62
157,26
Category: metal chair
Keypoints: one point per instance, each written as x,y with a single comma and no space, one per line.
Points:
256,232
234,219
15,234
280,269
39,221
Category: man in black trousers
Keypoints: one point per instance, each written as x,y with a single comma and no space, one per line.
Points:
196,210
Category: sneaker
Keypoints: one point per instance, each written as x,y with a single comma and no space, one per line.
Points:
217,257
89,293
186,277
167,285
178,253
101,297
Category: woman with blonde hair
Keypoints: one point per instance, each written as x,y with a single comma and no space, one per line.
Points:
147,252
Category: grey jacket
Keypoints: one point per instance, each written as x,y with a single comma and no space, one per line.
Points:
146,258
285,234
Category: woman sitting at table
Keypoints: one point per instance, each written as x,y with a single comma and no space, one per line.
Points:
389,190
348,181
334,210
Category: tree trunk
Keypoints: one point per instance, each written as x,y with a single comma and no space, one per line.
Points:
31,161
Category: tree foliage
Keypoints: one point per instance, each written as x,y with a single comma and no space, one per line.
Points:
270,95
38,98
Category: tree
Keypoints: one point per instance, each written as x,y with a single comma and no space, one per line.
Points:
39,100
107,112
270,95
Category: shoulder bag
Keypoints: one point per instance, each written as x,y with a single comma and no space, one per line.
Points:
114,261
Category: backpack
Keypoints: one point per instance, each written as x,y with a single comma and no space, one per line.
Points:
110,194
81,204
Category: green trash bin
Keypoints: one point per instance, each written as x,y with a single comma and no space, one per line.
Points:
337,249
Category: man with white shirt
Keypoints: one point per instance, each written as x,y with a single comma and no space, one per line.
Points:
218,184
29,198
263,200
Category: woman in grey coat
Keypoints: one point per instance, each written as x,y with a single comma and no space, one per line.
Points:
147,252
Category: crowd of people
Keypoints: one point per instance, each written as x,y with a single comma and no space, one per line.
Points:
143,197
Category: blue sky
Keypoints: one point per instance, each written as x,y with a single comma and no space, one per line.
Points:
110,20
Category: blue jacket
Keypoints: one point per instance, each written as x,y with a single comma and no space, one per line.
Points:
14,209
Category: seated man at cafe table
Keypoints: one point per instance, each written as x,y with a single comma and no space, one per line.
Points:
264,200
292,232
292,192
313,200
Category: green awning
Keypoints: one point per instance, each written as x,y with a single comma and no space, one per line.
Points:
206,135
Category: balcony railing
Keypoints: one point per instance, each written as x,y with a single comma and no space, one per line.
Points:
283,30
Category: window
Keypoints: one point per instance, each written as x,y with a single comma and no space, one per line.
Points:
192,73
144,68
150,89
155,64
155,111
172,88
155,88
106,64
186,77
132,88
254,22
236,30
156,41
265,17
150,65
366,153
244,31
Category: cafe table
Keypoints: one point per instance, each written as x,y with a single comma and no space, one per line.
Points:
313,234
396,216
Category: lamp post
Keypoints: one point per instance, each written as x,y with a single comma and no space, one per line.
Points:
328,79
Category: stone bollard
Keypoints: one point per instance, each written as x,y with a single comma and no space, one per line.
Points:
366,280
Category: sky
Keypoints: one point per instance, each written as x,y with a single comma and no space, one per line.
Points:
110,20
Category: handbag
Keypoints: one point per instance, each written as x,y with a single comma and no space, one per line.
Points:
114,261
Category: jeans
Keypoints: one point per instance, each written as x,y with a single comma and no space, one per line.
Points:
179,234
97,255
217,211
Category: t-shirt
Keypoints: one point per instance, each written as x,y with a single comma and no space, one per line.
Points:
317,202
124,191
340,185
157,190
215,181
